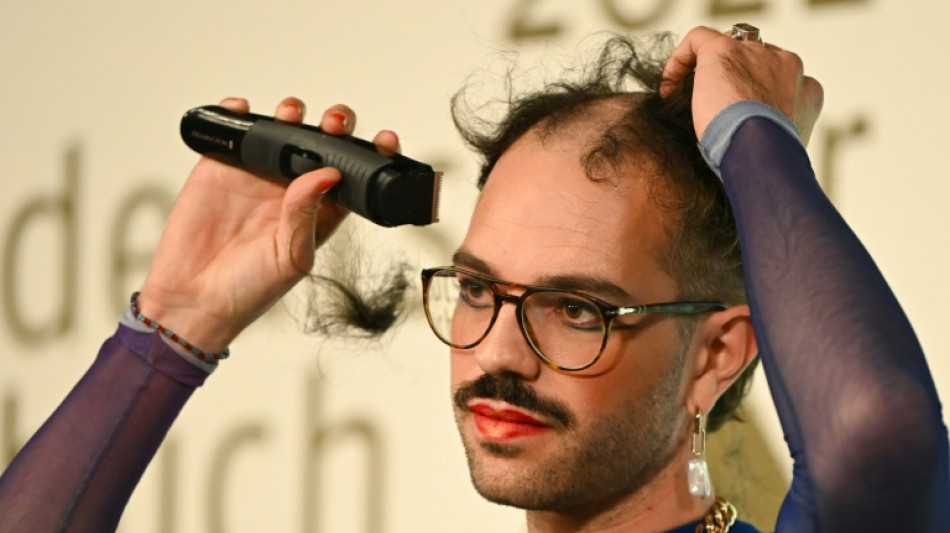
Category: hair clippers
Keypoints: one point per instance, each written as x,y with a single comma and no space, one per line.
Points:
390,190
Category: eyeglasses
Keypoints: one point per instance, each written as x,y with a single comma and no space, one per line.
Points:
567,329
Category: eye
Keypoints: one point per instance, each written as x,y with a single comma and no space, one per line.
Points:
577,313
475,292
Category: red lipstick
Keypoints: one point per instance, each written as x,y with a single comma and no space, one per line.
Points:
505,424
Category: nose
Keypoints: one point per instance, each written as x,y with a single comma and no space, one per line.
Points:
505,349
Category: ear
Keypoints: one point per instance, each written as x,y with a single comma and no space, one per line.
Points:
722,347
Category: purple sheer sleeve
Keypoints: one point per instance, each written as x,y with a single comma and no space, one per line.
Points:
78,471
855,397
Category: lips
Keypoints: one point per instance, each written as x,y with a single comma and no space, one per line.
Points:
505,424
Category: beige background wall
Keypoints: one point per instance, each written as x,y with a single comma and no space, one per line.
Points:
299,434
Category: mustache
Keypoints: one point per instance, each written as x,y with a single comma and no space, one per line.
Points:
512,390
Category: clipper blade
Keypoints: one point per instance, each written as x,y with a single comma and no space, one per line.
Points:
436,196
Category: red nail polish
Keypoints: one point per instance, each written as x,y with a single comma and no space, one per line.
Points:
325,186
339,116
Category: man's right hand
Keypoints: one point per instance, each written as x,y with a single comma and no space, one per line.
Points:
235,243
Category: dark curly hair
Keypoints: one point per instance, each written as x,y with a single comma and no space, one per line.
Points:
702,250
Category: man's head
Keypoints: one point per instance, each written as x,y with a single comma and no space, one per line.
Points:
588,186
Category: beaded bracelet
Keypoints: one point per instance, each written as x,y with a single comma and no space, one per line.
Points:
197,352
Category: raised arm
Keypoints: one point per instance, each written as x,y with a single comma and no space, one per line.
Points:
856,400
849,379
232,246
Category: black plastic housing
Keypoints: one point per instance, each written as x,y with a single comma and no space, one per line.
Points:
389,190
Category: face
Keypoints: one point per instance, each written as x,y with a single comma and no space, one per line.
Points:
536,437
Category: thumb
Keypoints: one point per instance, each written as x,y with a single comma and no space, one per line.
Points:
303,208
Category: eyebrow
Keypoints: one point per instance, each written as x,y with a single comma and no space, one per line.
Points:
467,259
594,286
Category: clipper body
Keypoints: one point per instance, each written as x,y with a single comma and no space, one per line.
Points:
389,190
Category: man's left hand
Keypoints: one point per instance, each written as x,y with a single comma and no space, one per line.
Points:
728,71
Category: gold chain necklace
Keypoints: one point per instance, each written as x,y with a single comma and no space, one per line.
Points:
719,519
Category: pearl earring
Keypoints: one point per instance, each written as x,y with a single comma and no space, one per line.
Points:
699,482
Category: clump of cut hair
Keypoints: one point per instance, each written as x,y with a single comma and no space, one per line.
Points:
351,298
646,132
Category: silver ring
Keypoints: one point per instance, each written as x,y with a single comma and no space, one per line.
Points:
745,32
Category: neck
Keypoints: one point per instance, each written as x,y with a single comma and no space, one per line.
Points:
662,504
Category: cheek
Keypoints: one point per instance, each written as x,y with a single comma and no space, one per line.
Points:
632,366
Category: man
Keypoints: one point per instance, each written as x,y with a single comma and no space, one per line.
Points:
577,232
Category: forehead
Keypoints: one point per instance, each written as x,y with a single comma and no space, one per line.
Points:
540,217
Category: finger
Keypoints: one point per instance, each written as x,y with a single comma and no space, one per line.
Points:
290,109
238,105
814,92
683,59
811,100
791,62
302,207
338,120
387,141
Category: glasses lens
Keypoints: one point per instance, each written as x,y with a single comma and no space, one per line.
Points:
567,328
460,307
